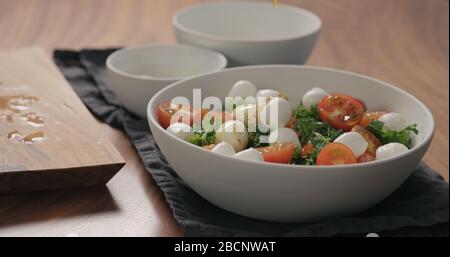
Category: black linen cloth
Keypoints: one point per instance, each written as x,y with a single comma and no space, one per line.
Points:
420,207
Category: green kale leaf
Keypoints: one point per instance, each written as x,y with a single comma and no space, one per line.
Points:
386,136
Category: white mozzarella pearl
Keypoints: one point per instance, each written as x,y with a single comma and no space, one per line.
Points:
250,100
284,135
267,93
313,96
180,130
353,140
232,102
263,96
276,113
247,113
234,133
394,121
243,88
223,148
390,150
249,154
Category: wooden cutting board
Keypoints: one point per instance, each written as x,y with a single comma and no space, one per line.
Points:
48,139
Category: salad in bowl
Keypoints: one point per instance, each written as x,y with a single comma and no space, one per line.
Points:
324,129
290,143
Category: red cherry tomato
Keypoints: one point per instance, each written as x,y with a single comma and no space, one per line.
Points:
335,154
209,147
307,149
165,111
365,157
373,141
292,122
168,113
368,117
278,153
341,111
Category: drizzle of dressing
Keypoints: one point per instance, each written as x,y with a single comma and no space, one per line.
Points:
16,105
34,137
17,137
33,119
14,136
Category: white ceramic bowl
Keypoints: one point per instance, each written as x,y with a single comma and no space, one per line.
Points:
250,33
292,193
137,73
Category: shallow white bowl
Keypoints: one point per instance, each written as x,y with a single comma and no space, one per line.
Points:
292,193
250,33
137,73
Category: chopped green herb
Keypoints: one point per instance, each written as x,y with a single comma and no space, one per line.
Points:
202,138
312,130
254,138
308,124
318,142
297,156
387,136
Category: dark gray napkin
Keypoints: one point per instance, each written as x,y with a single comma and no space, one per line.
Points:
420,207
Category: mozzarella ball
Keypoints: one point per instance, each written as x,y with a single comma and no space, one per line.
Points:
234,133
247,113
276,113
243,88
223,148
263,96
249,154
394,121
250,100
232,102
270,93
267,93
390,150
353,140
313,96
284,135
180,130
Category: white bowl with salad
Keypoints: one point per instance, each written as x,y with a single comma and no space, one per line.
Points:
341,143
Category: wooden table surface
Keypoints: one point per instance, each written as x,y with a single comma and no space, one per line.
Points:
404,42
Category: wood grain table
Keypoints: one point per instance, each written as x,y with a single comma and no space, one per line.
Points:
404,42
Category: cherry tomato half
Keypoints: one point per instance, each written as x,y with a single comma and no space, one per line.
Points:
307,149
279,153
368,117
341,111
291,123
373,141
166,114
165,111
209,147
335,154
365,157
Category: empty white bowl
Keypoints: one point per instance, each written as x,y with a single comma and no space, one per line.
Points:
292,193
137,73
249,33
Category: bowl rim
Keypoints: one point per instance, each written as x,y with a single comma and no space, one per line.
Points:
178,25
427,138
222,61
